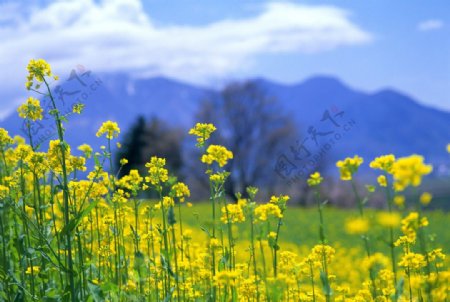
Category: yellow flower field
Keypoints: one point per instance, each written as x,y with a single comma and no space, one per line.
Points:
93,239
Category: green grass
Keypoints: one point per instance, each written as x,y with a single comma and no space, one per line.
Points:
301,226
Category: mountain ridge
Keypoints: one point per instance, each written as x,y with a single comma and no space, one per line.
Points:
385,120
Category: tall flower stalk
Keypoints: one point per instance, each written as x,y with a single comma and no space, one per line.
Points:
314,181
347,168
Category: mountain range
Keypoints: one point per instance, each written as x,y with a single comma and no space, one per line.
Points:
332,117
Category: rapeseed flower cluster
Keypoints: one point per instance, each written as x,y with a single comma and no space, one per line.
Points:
384,163
157,173
38,70
110,128
31,109
408,171
218,154
203,132
232,213
357,226
264,211
349,166
314,179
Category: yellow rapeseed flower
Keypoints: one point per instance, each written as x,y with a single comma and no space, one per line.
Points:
86,149
411,224
157,173
4,191
349,166
226,278
383,163
214,243
320,250
31,109
34,269
18,140
387,219
412,261
314,179
264,211
357,226
399,200
408,171
38,70
272,235
232,213
203,132
219,177
110,128
382,181
5,139
168,202
436,255
54,155
280,201
181,191
217,153
77,108
425,198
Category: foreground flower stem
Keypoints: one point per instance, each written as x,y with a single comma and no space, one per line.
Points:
213,256
177,272
252,241
181,230
116,221
65,195
424,251
391,237
323,241
230,237
166,250
263,259
276,247
365,238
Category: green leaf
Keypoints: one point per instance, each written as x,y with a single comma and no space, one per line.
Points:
96,292
68,229
171,216
52,293
204,229
139,261
57,189
169,295
325,284
96,160
224,259
399,289
166,266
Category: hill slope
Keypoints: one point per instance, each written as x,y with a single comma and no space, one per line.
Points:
383,122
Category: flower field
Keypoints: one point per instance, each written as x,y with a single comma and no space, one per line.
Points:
65,238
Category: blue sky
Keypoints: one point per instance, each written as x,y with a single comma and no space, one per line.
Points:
370,44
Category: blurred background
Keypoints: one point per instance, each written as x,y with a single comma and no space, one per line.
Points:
292,86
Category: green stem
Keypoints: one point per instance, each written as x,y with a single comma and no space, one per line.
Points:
65,195
174,243
255,272
365,238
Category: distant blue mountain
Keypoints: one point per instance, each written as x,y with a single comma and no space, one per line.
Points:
329,114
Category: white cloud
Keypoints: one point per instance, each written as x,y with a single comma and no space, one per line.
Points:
117,35
432,24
